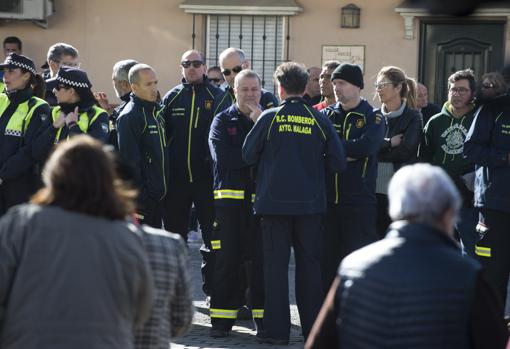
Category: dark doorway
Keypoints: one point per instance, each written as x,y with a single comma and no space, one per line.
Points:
447,46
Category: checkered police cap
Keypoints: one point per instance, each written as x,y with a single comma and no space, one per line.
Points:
73,77
14,60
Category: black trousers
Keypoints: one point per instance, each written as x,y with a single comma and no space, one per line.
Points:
237,248
279,233
16,191
346,229
149,212
383,217
176,216
493,247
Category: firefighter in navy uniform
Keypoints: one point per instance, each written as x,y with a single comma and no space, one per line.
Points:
232,62
292,145
142,144
188,112
236,231
22,110
75,114
350,219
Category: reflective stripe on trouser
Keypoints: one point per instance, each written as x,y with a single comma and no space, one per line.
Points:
223,313
482,251
228,194
257,313
238,264
493,248
216,244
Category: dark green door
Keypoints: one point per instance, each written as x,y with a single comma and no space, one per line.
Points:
446,47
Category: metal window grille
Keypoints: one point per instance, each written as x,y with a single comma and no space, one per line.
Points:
261,37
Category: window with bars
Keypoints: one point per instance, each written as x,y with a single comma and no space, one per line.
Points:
261,37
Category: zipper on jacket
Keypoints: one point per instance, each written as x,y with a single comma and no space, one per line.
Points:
189,134
364,168
348,131
337,194
196,118
162,145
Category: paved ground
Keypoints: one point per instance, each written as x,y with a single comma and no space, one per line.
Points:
243,334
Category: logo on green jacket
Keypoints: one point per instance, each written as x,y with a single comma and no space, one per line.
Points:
454,137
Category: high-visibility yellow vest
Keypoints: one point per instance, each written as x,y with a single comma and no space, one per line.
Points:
21,117
85,119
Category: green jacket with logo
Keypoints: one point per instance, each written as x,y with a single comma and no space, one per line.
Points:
443,142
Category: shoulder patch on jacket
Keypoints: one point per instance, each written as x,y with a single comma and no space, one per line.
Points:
378,118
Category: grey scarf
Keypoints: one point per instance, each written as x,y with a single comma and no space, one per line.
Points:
396,113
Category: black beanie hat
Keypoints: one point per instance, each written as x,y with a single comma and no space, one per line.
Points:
350,73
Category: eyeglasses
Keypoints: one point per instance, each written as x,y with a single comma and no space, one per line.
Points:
459,90
216,80
381,85
68,64
487,86
195,64
236,70
72,64
59,87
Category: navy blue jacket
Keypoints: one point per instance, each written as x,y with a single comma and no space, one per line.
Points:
488,145
112,138
233,180
142,146
188,112
361,131
292,144
267,100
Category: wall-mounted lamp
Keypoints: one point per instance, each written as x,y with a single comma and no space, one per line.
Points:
350,16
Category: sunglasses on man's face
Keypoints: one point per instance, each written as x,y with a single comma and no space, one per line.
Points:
195,64
215,80
236,70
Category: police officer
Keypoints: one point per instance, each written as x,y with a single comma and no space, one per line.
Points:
142,143
76,112
235,230
350,220
232,61
21,114
291,145
188,112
